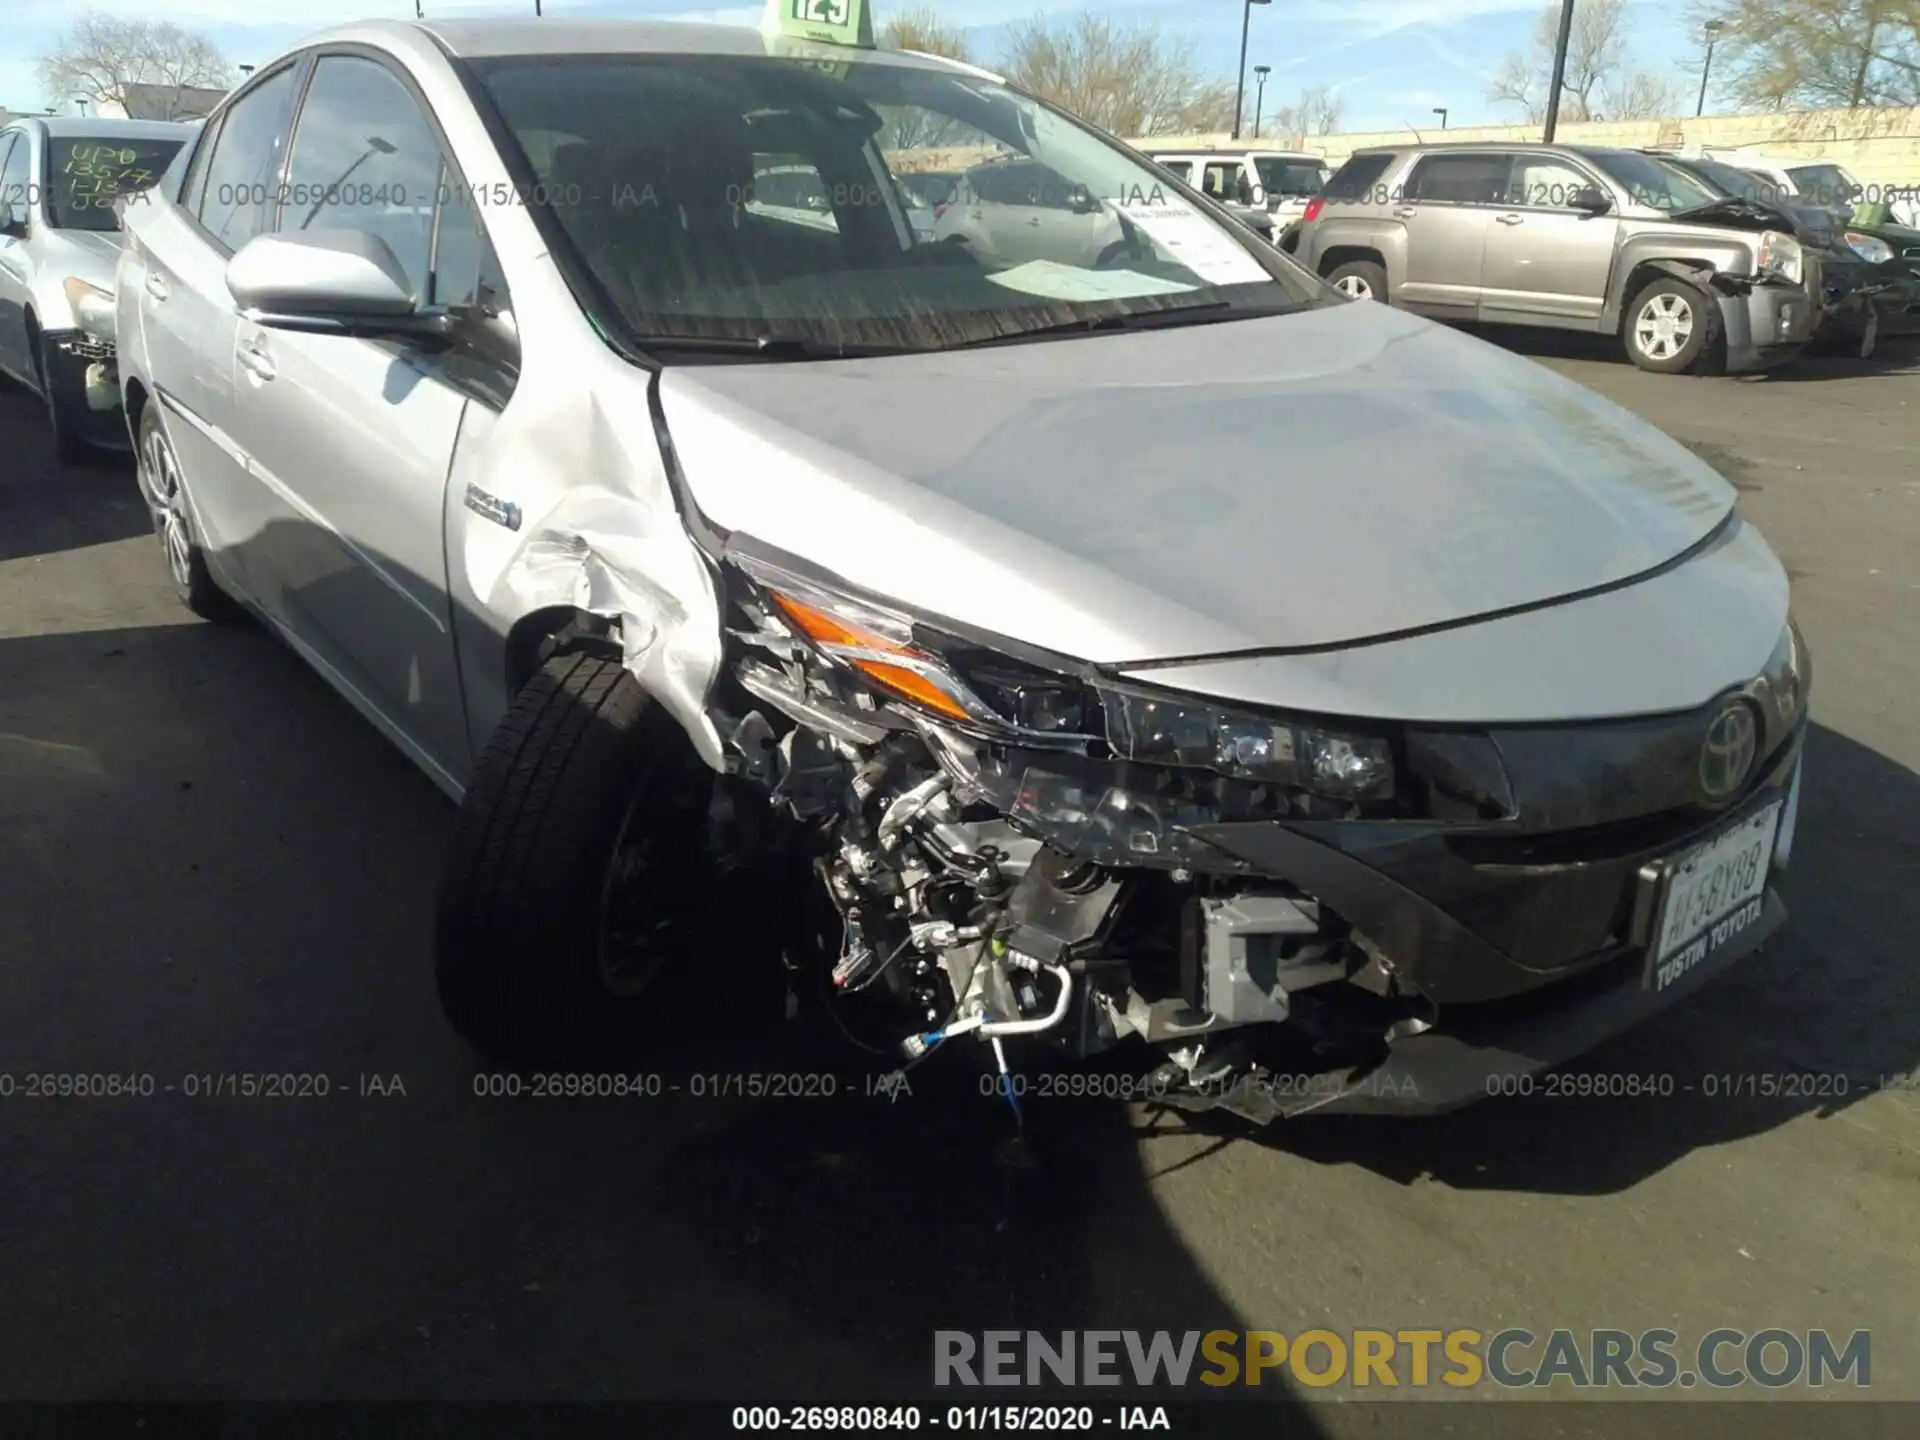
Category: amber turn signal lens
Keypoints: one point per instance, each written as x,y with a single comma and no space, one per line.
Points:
824,629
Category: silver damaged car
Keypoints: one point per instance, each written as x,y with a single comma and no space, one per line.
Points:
62,185
1073,649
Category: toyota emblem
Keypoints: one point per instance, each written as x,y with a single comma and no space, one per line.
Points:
1727,753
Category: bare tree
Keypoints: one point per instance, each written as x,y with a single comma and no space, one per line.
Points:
1317,112
1596,83
911,127
1128,80
1817,53
921,29
101,56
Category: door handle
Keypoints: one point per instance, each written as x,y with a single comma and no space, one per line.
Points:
156,286
1405,212
1510,219
250,355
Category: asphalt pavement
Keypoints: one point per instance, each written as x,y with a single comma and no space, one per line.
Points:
211,867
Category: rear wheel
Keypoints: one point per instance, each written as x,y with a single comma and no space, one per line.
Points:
1360,280
579,867
1666,327
163,487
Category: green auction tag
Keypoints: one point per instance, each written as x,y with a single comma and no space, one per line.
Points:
824,22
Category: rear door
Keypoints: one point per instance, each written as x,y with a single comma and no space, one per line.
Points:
352,438
1448,207
1546,261
188,317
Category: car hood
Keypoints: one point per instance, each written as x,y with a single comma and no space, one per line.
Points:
1307,480
89,254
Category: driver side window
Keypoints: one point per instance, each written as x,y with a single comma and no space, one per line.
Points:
364,158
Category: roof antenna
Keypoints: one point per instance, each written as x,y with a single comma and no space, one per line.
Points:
1418,138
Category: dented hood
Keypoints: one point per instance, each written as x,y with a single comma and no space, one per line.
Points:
1330,476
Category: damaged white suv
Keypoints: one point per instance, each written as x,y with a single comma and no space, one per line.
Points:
1150,647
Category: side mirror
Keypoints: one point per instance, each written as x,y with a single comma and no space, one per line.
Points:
1084,201
326,282
12,222
1590,200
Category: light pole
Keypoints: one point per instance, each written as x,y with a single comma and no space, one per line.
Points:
1240,88
1441,111
1559,71
1712,29
1260,73
245,70
81,101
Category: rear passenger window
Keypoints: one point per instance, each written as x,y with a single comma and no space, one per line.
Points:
245,164
1357,180
364,158
1459,179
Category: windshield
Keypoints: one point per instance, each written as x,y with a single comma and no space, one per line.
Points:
1295,179
85,175
1826,186
1649,182
1743,183
657,171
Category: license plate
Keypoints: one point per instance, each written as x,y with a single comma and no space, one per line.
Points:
1714,892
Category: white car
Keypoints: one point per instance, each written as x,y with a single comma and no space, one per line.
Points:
1278,182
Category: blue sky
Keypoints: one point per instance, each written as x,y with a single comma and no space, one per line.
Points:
1392,61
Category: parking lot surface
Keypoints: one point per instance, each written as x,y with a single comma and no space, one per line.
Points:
210,866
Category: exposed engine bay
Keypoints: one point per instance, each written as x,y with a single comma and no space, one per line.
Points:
1012,871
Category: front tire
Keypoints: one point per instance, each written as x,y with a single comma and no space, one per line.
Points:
68,447
1360,280
1666,327
577,867
163,487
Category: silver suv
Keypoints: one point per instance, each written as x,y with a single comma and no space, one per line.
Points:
1570,236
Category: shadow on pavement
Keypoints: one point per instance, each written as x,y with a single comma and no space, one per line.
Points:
212,866
46,507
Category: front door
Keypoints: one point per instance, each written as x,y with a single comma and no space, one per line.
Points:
1546,261
352,438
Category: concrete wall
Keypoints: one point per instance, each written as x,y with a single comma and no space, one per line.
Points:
1878,146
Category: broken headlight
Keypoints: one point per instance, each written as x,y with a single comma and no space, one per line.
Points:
1778,254
997,698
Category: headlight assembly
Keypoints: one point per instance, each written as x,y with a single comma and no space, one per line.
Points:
997,698
1779,254
1788,677
92,307
1870,248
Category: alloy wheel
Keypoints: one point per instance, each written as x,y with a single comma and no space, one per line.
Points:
167,503
1355,286
1664,326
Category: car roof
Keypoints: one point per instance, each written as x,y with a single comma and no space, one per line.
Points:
496,37
61,127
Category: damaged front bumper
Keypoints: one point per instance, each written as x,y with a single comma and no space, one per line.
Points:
1767,321
85,377
1566,950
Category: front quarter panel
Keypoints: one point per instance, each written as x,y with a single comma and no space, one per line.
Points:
1729,252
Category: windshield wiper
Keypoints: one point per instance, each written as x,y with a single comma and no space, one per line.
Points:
1208,312
766,347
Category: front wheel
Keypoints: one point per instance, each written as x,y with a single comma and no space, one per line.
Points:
577,867
68,446
1666,327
